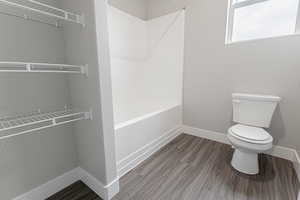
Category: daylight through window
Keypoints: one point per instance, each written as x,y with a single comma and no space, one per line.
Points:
256,19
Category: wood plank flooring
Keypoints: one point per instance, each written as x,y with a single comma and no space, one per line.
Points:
76,191
191,168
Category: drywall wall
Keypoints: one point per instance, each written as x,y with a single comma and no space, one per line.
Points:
214,70
30,160
103,55
89,45
148,9
136,8
143,79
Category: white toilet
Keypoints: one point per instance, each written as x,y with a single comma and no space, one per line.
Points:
252,113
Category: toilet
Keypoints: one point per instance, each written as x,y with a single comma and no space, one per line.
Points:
252,113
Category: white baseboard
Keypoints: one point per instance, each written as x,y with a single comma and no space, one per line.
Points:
282,152
134,159
210,135
112,188
46,190
297,165
297,168
277,151
51,187
106,192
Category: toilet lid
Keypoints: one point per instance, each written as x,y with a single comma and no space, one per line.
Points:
250,133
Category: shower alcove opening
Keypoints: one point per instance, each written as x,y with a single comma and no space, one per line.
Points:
147,81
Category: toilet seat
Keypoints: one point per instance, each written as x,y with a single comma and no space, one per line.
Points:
250,134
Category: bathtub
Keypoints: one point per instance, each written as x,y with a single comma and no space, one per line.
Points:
140,137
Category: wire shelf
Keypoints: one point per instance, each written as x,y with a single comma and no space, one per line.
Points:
42,68
47,10
30,122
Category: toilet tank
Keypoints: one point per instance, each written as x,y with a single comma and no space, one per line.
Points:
254,110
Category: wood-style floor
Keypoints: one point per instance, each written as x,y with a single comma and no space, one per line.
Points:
191,168
76,191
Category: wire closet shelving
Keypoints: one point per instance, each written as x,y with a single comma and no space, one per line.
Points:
28,123
11,126
42,68
47,10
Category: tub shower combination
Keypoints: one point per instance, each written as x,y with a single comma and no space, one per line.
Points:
147,70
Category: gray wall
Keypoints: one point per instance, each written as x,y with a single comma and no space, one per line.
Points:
148,9
214,70
136,8
30,160
157,8
95,142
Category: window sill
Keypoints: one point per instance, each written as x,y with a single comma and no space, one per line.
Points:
260,39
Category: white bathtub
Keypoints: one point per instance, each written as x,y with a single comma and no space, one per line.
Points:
138,138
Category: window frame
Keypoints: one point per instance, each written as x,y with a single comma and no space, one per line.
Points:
230,18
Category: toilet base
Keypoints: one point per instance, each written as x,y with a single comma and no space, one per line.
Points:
245,162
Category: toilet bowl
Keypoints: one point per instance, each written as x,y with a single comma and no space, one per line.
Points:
252,113
248,142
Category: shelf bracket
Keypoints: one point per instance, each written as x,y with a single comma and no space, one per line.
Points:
89,115
81,20
85,70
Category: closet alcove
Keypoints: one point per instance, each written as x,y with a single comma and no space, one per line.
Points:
55,114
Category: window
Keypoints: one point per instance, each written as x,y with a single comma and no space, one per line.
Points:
256,19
